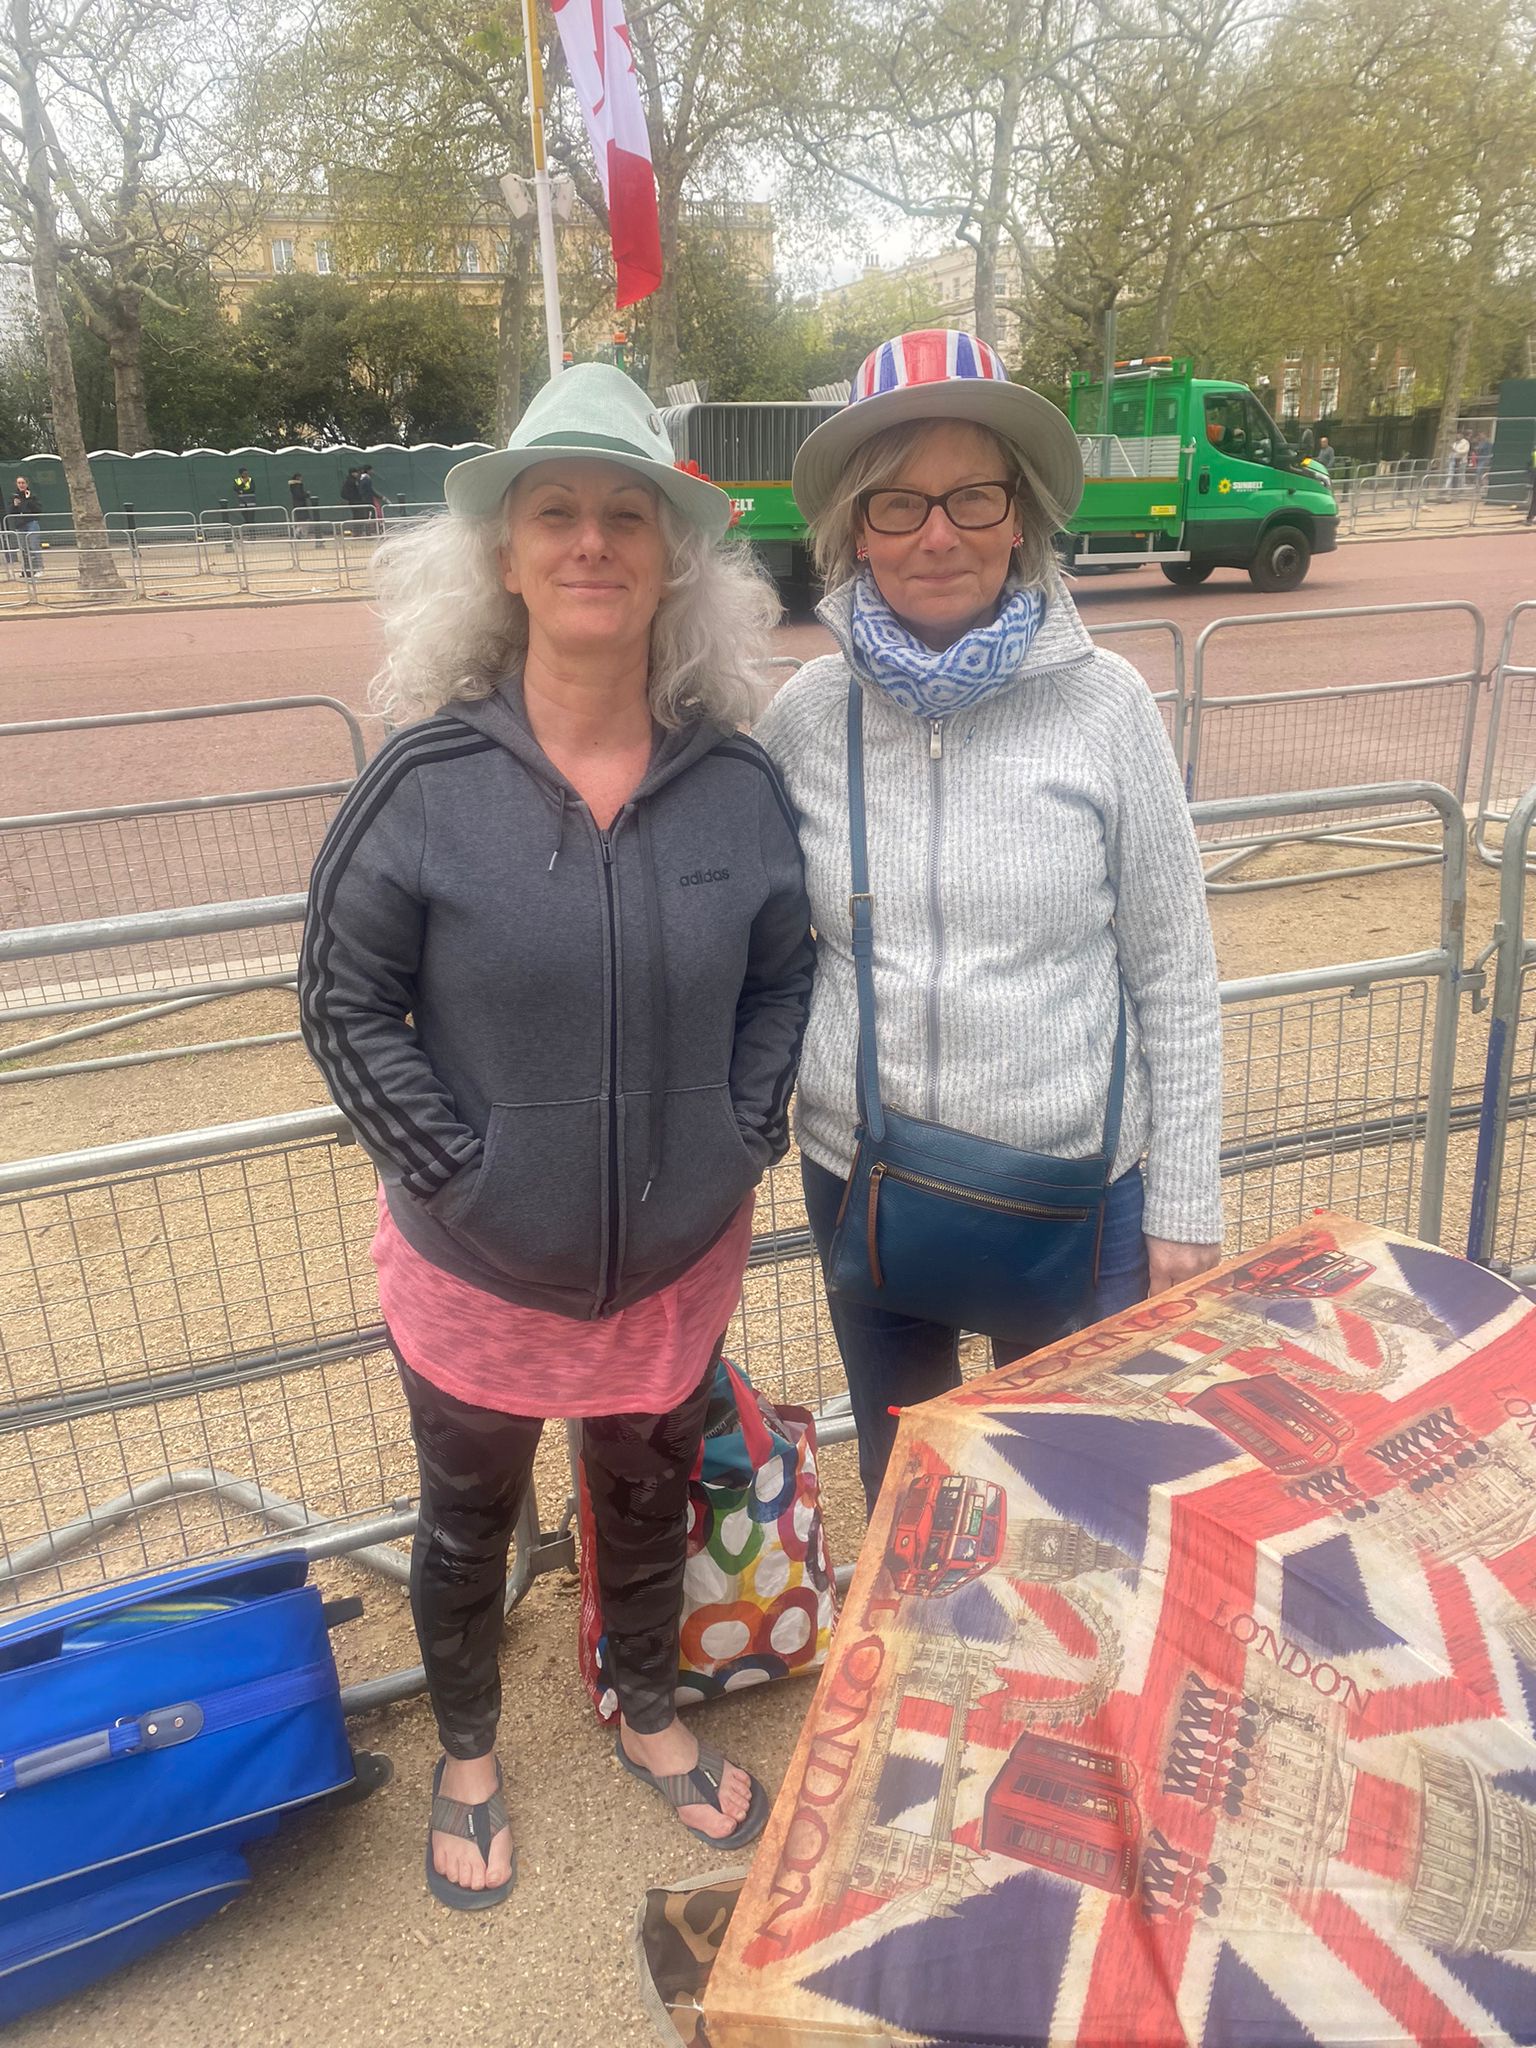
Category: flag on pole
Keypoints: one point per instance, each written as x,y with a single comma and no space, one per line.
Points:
595,39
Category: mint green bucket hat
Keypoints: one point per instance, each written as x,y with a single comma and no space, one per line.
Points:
592,409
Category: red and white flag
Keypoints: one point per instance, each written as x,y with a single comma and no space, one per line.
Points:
595,40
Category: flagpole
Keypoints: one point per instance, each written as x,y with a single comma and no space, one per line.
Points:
548,262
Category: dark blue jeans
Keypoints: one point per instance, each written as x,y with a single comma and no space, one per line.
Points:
894,1361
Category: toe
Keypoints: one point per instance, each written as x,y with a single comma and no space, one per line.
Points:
736,1793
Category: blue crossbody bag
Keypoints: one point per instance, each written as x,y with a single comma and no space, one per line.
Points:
945,1226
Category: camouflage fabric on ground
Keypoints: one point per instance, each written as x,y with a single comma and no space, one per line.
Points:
678,1932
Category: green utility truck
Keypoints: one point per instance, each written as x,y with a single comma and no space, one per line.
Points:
1193,475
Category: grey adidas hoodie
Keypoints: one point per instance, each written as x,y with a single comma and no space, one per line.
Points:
569,1053
1024,855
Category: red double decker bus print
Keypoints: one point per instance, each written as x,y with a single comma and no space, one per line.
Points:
1067,1808
1312,1266
948,1531
1284,1426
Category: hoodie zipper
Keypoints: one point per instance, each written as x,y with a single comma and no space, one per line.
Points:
611,1267
935,911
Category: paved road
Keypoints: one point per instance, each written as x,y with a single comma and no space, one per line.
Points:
62,666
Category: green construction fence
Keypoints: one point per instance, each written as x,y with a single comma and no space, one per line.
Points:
156,483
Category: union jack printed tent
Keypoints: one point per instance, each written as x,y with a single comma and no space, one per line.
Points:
1185,1690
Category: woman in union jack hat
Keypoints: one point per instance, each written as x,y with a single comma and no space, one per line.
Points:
1032,871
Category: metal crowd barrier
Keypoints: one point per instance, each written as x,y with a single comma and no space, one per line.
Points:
148,903
194,1361
1174,702
1416,728
1509,758
194,1365
1502,1232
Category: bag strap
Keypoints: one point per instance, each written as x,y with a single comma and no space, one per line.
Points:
166,1727
861,913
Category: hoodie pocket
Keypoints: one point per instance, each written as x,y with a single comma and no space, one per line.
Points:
705,1171
536,1213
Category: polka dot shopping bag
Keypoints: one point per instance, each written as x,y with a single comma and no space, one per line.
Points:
758,1596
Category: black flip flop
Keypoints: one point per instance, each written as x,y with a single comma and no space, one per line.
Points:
701,1787
479,1824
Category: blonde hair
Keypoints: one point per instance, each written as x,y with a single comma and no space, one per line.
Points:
879,461
453,631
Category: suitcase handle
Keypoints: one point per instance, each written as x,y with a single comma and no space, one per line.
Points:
164,1727
160,1728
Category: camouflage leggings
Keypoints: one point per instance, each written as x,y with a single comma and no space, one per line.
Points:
475,1465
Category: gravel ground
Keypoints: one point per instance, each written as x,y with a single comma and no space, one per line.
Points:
338,1940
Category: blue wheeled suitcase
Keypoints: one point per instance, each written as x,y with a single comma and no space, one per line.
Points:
149,1731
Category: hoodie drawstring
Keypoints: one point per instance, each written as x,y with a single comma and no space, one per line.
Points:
658,975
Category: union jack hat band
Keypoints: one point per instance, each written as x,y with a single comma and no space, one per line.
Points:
942,374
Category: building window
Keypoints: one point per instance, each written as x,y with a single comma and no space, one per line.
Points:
1405,380
999,287
322,259
282,256
469,260
1290,389
388,258
1328,390
501,253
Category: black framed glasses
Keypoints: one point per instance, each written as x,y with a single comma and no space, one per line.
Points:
971,507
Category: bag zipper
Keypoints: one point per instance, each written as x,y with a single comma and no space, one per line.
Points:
1006,1205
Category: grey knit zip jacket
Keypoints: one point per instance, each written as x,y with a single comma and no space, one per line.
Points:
568,1052
1018,853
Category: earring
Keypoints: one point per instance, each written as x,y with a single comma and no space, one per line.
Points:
862,554
1018,540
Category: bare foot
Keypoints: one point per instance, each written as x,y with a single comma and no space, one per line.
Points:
472,1780
674,1751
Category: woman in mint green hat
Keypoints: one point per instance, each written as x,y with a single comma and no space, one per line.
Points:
555,972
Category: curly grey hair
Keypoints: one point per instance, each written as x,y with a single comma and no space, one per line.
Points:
879,461
452,630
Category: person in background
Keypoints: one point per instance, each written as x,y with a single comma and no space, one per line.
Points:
302,504
371,495
244,488
556,969
26,523
1456,462
352,494
1530,510
1325,453
1031,856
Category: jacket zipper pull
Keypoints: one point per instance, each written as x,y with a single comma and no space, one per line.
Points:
607,849
935,739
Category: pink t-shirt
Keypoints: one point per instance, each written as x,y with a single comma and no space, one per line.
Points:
524,1361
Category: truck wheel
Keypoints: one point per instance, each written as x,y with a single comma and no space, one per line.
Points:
1185,573
1283,559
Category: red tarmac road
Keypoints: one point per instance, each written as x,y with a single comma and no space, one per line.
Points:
64,666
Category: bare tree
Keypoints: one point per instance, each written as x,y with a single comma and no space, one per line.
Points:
27,180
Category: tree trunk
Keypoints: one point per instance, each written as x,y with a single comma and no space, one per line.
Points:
93,555
510,316
662,305
1170,285
1471,295
1005,129
126,353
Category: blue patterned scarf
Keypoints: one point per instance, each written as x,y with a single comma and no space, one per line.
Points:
931,683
